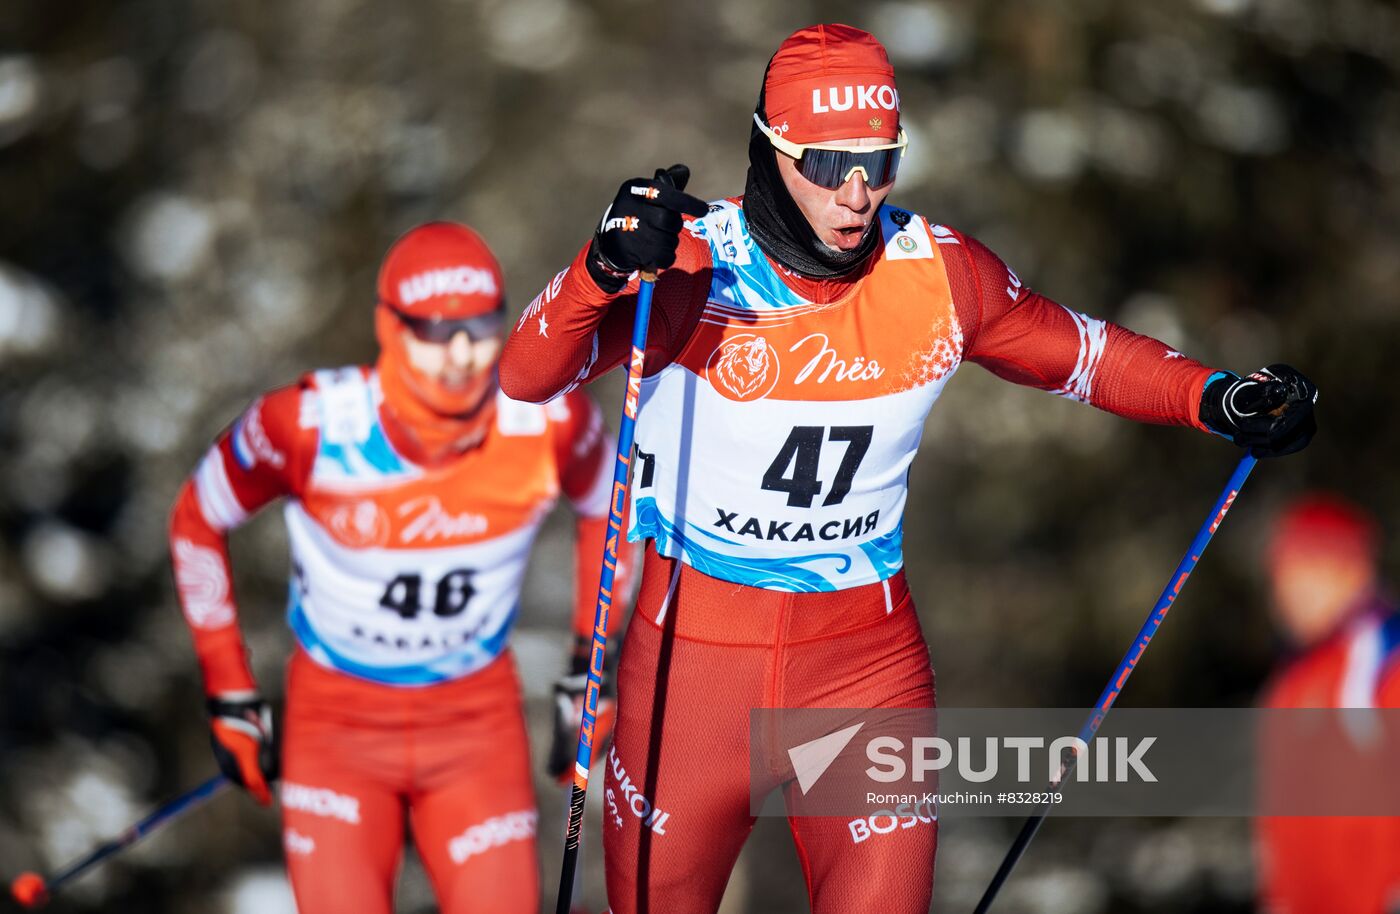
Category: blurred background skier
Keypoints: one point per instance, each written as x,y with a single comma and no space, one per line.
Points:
1342,632
413,492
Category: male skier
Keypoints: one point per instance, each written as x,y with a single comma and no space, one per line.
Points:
414,490
800,336
1328,601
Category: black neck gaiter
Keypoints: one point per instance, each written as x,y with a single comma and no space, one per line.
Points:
777,224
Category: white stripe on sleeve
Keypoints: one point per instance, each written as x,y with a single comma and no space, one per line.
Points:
1362,674
217,500
1093,339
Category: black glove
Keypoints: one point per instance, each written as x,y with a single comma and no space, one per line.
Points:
568,711
1270,412
245,743
642,227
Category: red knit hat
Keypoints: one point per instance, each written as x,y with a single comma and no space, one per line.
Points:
831,82
441,270
1324,524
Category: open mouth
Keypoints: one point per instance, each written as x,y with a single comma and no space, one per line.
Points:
848,236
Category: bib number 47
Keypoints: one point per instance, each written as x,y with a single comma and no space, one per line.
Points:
794,470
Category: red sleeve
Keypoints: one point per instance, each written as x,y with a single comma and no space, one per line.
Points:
574,332
1388,689
263,455
586,454
1024,337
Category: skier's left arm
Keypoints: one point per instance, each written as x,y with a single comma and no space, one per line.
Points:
265,455
1025,337
585,452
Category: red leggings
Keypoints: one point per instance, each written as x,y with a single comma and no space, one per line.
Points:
361,759
676,798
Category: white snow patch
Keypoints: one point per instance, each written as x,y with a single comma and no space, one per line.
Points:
1050,145
1243,120
926,33
21,92
263,890
171,237
28,312
537,35
66,563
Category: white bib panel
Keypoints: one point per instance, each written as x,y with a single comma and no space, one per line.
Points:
404,574
775,451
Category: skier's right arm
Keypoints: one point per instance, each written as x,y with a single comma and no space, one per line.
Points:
580,326
262,456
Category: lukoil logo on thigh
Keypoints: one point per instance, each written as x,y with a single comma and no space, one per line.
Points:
321,802
628,796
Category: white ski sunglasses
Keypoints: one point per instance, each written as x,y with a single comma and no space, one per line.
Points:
831,166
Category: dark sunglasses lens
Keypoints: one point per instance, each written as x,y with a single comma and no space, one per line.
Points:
442,331
886,168
829,167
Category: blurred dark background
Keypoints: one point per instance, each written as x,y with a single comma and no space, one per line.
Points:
194,197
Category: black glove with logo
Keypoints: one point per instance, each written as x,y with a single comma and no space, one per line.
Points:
569,692
642,227
1270,411
245,744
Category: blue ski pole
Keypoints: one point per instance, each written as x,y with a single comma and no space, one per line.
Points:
32,890
626,430
1125,668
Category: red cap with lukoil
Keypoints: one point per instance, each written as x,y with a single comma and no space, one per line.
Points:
829,83
441,271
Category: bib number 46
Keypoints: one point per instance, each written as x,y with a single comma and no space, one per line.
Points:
454,590
801,454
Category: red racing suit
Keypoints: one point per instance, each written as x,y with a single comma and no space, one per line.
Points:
402,696
778,419
1324,864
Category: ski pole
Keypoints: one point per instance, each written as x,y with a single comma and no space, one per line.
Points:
1125,668
577,887
32,890
626,430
